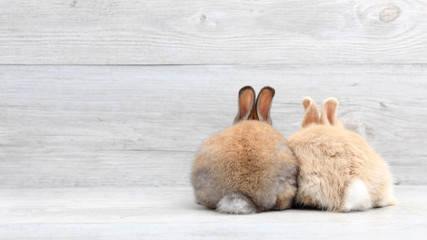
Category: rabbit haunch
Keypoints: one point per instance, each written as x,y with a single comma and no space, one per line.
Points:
338,170
248,167
250,158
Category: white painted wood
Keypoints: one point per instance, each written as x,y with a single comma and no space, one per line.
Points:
82,126
212,32
169,213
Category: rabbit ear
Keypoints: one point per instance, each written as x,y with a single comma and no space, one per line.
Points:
246,103
311,113
263,104
329,112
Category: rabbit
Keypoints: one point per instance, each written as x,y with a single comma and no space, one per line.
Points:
338,170
247,168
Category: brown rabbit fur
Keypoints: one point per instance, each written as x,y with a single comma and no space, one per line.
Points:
338,170
248,167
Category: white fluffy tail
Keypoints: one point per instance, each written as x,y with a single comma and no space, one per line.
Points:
357,197
236,203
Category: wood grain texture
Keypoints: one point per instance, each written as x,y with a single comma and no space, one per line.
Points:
170,213
83,126
212,32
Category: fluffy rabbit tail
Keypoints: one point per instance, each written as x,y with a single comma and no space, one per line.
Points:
236,203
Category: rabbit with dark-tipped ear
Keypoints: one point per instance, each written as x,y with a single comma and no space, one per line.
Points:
248,167
338,170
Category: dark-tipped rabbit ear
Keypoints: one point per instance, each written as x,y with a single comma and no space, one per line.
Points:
311,112
329,112
246,103
263,104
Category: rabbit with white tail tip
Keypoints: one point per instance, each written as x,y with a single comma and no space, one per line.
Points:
338,170
248,167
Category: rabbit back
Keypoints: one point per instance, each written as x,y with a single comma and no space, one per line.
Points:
250,158
339,171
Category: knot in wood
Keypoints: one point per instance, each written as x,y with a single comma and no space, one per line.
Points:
389,14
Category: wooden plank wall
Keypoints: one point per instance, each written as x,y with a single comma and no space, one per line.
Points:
121,93
212,32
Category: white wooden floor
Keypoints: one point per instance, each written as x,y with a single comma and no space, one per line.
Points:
169,213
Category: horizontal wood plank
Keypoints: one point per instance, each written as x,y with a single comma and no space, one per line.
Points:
90,126
212,32
170,213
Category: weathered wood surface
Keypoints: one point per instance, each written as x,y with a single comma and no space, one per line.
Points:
169,213
212,32
140,126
